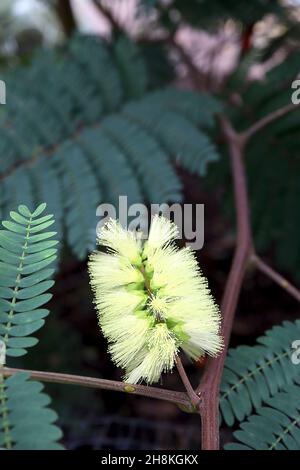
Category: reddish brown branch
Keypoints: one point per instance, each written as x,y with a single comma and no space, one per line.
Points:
210,384
195,399
92,382
266,120
276,277
209,387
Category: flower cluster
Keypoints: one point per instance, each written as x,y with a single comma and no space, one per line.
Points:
152,300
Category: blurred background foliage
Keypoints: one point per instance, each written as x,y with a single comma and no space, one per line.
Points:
243,56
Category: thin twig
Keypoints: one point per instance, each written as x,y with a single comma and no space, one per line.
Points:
276,277
92,382
266,120
195,399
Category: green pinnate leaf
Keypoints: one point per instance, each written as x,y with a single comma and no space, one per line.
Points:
26,250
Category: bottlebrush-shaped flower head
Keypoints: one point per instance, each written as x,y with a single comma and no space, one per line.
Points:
152,300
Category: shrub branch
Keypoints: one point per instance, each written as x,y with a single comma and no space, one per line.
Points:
276,277
179,398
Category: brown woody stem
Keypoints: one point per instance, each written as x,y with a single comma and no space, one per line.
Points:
210,384
92,382
266,120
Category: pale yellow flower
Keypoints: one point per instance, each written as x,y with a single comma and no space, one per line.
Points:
152,300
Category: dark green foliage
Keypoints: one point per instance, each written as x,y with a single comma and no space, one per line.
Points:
67,136
166,113
272,164
158,64
26,421
26,252
274,427
254,374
